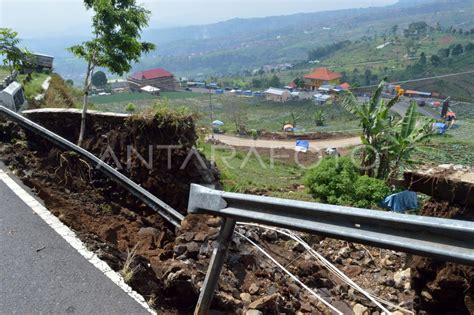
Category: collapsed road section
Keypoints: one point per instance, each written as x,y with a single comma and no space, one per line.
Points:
169,265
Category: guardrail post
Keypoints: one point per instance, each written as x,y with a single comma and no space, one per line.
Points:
217,262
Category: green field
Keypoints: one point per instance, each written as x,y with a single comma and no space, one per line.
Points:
256,113
121,98
179,95
257,176
33,87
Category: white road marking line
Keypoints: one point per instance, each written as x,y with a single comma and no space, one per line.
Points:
69,236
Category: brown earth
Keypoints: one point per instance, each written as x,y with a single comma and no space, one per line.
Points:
443,288
171,264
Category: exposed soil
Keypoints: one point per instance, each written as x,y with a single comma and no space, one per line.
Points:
171,263
443,288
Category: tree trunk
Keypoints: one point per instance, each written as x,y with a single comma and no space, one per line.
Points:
87,83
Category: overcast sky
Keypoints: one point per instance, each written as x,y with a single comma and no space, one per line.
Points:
36,17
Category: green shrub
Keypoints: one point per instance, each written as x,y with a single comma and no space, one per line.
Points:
369,191
337,181
131,108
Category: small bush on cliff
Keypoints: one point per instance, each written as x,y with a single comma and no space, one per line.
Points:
337,181
130,108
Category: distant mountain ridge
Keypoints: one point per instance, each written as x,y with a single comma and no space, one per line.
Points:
228,46
245,44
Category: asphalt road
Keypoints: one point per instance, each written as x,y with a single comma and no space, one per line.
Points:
40,273
402,107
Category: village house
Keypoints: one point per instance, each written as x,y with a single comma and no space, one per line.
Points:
158,78
277,95
319,77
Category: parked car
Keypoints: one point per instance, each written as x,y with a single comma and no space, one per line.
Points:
421,102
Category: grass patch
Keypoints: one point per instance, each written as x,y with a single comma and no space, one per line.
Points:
127,270
121,97
179,95
33,87
245,173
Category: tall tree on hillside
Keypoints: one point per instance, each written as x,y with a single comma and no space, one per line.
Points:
394,29
99,79
14,56
116,28
457,50
435,60
422,60
275,81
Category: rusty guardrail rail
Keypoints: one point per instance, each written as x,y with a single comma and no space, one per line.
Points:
445,239
166,211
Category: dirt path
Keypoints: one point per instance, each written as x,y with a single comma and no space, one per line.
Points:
315,145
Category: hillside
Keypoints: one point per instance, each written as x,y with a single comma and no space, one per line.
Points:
231,46
238,45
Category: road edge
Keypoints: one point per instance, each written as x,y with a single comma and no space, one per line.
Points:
70,237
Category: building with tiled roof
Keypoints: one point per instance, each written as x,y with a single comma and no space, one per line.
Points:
158,78
321,76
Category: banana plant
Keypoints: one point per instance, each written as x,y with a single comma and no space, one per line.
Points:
319,117
375,120
408,136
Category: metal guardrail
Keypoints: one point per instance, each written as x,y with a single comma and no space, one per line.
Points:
450,240
166,211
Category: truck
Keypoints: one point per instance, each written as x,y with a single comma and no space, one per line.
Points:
43,61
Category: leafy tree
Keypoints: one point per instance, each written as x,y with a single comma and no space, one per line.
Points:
257,83
411,47
394,29
236,113
469,47
444,52
254,134
435,60
275,81
117,25
15,57
324,51
457,50
70,82
337,181
422,61
99,79
299,82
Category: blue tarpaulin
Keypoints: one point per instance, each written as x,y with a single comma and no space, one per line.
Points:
401,202
441,128
302,145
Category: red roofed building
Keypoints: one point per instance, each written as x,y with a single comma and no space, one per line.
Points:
321,76
159,78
